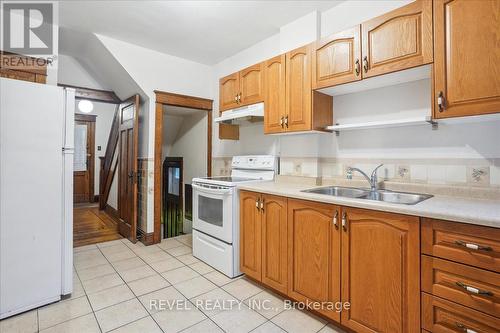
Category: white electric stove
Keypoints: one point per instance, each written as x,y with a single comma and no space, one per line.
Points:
216,211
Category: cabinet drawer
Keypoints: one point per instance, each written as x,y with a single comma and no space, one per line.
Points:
466,285
442,316
465,243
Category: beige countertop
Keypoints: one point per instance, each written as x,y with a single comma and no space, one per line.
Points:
472,211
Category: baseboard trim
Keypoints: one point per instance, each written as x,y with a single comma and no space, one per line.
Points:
112,212
146,238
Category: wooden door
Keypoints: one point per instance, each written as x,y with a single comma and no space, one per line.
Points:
252,84
467,57
274,242
337,59
380,271
298,89
127,172
274,94
398,40
313,253
229,88
84,160
250,235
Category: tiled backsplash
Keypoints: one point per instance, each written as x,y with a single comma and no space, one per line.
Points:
221,166
460,172
461,177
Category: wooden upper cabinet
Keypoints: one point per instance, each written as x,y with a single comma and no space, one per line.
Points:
313,253
274,94
252,85
298,89
398,40
274,242
337,59
250,235
467,57
229,88
380,271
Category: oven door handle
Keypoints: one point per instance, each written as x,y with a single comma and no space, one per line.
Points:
212,190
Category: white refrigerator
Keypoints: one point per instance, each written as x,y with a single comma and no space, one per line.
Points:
36,194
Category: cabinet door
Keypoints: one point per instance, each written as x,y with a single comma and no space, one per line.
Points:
229,88
398,40
337,59
250,235
274,94
298,89
380,271
274,243
252,84
313,253
467,57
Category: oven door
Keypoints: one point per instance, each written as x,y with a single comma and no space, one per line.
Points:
213,210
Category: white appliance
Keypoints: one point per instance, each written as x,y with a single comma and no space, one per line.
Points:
254,110
36,194
216,216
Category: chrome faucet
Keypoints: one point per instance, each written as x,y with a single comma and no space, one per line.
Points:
373,180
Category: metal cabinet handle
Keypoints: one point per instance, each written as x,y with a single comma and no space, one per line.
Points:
464,328
286,121
257,203
262,205
441,101
239,98
236,98
473,246
357,67
344,221
365,64
335,219
474,290
282,122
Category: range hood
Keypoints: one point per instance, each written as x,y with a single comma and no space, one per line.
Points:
244,112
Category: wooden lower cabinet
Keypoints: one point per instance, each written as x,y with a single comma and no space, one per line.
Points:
442,316
380,271
250,235
468,244
263,234
274,242
314,253
474,287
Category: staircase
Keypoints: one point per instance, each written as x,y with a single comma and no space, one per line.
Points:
109,163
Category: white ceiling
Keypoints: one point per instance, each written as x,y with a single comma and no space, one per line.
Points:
202,31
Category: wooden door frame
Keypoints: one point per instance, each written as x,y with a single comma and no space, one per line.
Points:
165,98
91,119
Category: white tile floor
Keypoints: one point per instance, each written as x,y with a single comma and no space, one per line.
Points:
115,282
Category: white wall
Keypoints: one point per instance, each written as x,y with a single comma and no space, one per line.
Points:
153,70
70,71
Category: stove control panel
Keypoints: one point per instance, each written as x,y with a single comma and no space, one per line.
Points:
255,162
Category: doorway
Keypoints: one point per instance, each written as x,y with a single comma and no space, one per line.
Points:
172,200
183,132
84,159
93,122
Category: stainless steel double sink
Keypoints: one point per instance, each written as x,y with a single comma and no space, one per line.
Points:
377,195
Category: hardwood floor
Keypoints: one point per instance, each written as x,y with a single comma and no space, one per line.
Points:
91,225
